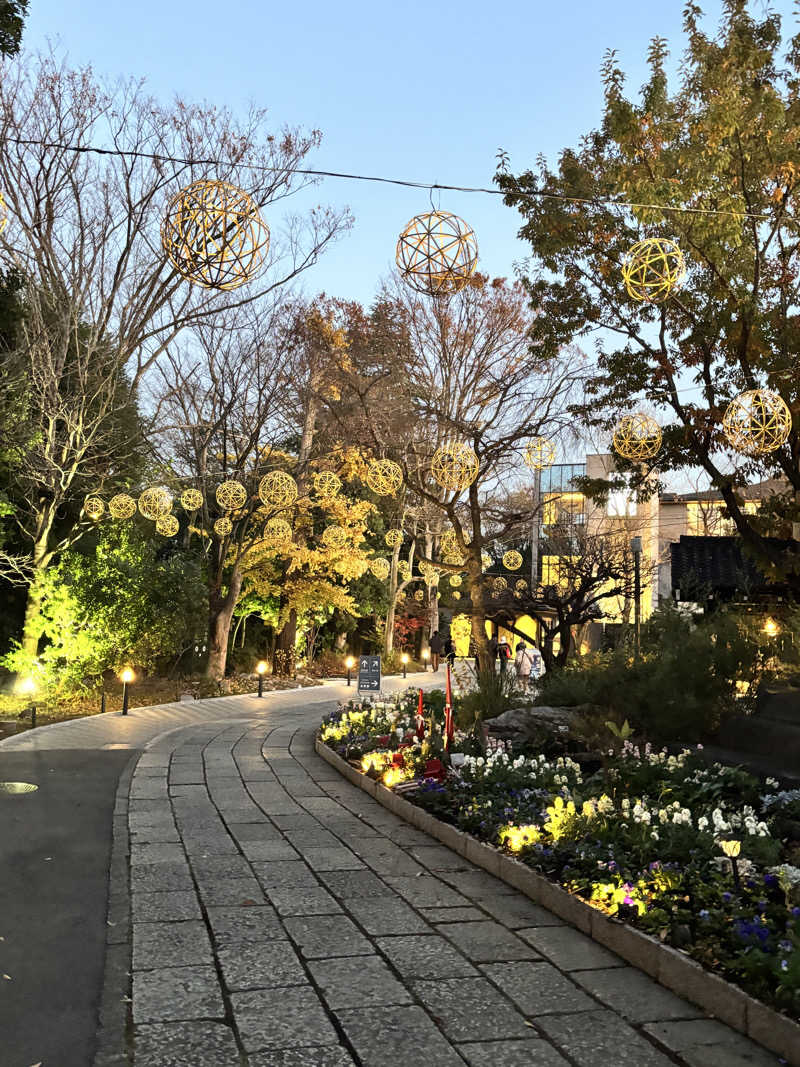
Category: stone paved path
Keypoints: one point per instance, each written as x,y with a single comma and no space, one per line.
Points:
282,918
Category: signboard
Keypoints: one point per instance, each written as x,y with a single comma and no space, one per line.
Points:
369,674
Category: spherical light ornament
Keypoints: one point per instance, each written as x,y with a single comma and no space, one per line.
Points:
456,595
93,508
3,213
456,580
512,560
448,541
191,499
278,529
757,422
637,436
278,489
521,585
403,569
214,235
437,253
454,558
231,495
419,594
155,503
223,526
167,525
327,484
394,538
334,536
384,476
380,568
122,506
539,454
652,269
455,466
499,585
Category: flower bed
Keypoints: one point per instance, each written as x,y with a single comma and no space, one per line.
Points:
640,838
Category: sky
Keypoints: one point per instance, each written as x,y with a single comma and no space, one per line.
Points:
417,90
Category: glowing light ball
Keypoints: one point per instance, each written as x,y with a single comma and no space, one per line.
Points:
757,422
512,560
455,580
334,536
637,436
456,595
653,269
278,529
419,594
231,495
380,568
191,499
223,526
499,585
437,253
214,235
278,489
448,541
539,454
521,585
394,538
93,508
122,506
155,503
455,466
327,484
167,525
384,476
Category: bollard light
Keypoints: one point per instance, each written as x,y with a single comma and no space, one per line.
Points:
126,676
349,664
426,655
732,849
404,660
261,670
28,687
770,627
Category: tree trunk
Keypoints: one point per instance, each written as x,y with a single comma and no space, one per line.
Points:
479,616
220,614
283,660
391,611
41,558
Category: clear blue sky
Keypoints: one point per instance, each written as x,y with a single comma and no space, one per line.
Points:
427,91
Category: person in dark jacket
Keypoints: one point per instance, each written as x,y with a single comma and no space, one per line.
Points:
449,650
436,649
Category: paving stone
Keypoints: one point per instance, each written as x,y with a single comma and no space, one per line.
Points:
165,907
439,858
269,850
314,901
405,1034
210,845
487,941
303,1057
161,877
180,1044
298,821
387,916
231,893
537,988
353,884
697,1035
590,1038
427,892
319,936
635,996
386,858
165,833
531,1053
263,830
476,884
295,1017
727,1056
261,965
170,944
332,859
470,1009
175,993
357,981
425,957
284,874
236,926
453,915
211,868
318,837
156,853
570,949
517,911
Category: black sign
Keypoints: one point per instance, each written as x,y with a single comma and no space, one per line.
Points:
369,674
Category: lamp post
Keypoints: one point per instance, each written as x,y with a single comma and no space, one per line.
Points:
636,548
404,660
349,663
126,677
261,670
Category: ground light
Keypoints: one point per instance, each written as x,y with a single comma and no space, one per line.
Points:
27,687
349,664
770,627
404,660
261,670
126,677
732,849
426,656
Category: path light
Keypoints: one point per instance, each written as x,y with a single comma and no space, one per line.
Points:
770,627
404,661
732,849
426,655
27,687
126,676
349,664
261,670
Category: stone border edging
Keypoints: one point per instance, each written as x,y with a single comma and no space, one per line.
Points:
671,968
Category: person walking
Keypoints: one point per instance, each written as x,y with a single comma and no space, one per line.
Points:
504,653
493,652
523,662
449,650
436,650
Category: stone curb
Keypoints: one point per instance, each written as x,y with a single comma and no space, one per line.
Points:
112,1047
671,968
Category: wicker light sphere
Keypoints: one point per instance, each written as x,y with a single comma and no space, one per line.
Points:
278,529
454,466
167,525
327,484
93,508
455,559
155,502
380,568
223,526
521,585
122,506
394,538
539,454
3,213
191,499
403,568
231,495
334,536
448,541
214,235
384,476
499,584
437,253
757,422
455,580
278,489
419,594
637,436
512,560
652,269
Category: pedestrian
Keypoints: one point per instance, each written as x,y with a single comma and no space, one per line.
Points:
493,652
523,662
503,653
538,663
450,652
436,650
